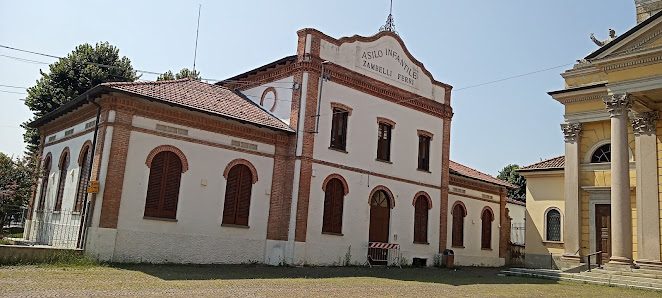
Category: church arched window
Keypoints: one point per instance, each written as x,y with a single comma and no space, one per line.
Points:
602,154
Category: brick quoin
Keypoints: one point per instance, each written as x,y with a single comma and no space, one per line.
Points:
307,151
445,179
281,190
504,231
112,195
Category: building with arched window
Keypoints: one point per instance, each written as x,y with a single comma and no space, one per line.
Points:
310,159
602,197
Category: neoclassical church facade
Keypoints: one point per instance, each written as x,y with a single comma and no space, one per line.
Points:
603,197
338,154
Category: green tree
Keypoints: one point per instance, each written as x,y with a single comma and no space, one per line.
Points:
16,184
509,174
184,73
85,67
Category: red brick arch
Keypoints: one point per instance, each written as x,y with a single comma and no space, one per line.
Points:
387,121
388,192
170,148
424,194
48,157
425,133
264,94
65,150
342,180
342,107
491,212
463,206
241,161
87,143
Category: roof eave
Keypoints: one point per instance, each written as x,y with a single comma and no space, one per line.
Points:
484,181
71,105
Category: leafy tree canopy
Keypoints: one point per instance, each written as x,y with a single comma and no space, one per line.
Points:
509,174
184,73
16,184
85,67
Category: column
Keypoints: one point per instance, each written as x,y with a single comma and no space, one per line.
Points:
648,225
618,106
572,223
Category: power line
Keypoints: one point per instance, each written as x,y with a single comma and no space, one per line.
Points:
13,92
13,87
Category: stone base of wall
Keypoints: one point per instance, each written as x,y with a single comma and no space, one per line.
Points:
545,261
479,261
19,254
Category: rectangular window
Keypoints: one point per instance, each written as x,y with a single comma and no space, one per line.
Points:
423,153
384,142
339,129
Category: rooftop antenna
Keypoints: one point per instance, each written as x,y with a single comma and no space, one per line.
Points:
197,31
390,24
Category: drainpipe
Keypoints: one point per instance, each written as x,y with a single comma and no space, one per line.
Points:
319,97
86,212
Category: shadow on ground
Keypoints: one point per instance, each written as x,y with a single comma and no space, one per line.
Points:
458,276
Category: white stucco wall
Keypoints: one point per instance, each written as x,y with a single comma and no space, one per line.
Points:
283,91
362,129
472,254
327,249
350,56
517,213
60,228
197,236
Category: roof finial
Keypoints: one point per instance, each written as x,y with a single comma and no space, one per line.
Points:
390,24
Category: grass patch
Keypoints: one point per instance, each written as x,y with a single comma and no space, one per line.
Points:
57,259
6,242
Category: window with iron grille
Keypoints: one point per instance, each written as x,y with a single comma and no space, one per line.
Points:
238,195
424,152
384,142
333,207
421,219
339,129
64,166
553,219
602,154
163,186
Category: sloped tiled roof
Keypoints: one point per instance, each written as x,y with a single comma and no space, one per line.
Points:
516,202
547,164
456,168
204,97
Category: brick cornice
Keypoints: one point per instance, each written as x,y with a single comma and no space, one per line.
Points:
354,80
472,197
475,185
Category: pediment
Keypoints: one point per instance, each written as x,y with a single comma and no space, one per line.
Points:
645,36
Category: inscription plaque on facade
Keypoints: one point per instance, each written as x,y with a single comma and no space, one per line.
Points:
388,60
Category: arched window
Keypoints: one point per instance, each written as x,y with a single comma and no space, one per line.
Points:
333,206
458,225
64,166
238,195
165,175
553,225
421,219
486,232
84,177
44,182
602,154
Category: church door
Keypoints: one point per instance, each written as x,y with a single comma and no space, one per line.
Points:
380,212
603,231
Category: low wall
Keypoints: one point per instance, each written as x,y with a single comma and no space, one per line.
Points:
20,254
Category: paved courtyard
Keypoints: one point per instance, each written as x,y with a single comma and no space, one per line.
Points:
248,280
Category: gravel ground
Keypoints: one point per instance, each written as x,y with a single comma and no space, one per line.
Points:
261,281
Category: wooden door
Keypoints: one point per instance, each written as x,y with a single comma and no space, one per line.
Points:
380,212
603,231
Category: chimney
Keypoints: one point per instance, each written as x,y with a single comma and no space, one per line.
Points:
647,8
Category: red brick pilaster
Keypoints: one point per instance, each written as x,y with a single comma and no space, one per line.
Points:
445,178
112,194
307,151
280,202
504,231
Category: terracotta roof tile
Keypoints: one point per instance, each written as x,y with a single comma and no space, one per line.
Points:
204,97
552,163
516,202
471,173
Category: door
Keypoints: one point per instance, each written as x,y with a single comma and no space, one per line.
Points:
380,212
603,231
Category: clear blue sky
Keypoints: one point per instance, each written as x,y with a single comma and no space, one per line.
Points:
462,43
